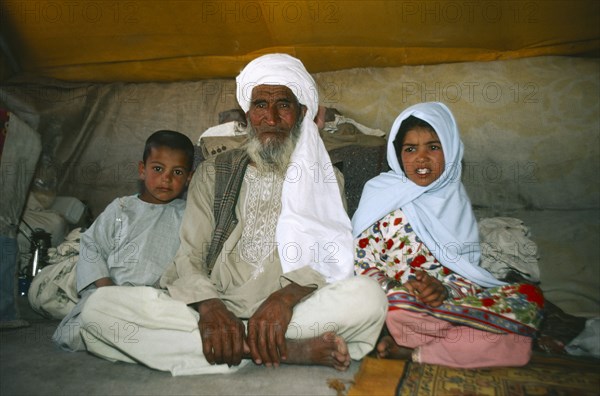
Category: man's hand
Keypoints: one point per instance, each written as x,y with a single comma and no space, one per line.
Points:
427,289
268,325
222,333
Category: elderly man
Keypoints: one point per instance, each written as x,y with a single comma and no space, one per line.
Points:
265,267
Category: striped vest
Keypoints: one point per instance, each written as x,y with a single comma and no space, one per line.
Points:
230,168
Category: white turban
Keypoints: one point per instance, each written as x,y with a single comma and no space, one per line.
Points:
313,228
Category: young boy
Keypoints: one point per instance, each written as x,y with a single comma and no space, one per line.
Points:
136,236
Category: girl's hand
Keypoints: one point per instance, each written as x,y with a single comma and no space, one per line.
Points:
427,289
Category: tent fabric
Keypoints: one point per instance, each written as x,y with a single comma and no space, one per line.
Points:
531,129
505,68
95,132
155,40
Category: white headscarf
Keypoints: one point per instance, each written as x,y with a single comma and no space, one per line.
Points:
440,213
313,229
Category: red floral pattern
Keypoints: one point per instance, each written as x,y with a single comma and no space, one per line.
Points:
418,261
487,302
533,293
378,252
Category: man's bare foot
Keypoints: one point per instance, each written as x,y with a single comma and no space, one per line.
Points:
328,349
388,349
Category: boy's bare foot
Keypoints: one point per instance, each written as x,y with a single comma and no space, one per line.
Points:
328,349
388,349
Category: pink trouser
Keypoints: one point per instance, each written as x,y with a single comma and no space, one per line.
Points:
437,341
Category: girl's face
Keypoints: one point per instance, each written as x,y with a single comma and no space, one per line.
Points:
422,156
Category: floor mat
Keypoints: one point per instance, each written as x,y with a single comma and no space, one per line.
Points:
377,377
544,375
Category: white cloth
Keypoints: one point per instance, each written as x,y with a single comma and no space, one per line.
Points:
332,126
314,227
506,247
260,211
441,212
53,291
161,332
232,128
131,242
587,343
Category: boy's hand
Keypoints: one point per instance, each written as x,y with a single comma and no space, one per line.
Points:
104,282
223,334
427,289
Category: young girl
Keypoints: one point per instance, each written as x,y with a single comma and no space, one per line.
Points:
417,235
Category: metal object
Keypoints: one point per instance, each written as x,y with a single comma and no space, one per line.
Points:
40,243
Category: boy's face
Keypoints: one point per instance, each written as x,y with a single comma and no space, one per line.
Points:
422,156
165,175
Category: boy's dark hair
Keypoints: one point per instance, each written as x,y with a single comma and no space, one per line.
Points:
409,123
172,139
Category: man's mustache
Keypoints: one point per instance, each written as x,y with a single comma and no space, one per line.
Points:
273,130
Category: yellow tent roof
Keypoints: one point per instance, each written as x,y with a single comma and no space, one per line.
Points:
111,40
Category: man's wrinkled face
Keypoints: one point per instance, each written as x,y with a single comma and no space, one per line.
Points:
274,111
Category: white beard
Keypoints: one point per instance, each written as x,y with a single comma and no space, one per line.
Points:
273,156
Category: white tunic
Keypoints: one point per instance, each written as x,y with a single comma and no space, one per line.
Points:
132,242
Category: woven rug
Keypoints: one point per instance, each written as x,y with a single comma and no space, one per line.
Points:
377,377
544,375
